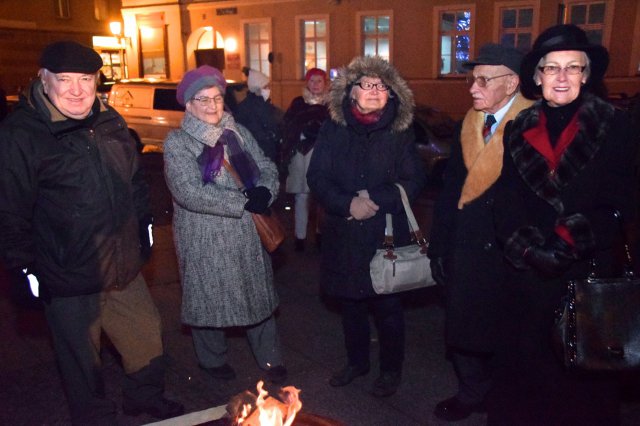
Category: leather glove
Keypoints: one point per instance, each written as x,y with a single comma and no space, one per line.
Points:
145,232
438,271
552,258
259,198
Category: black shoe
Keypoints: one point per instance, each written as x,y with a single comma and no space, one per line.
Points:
224,372
160,408
386,384
299,244
277,375
347,374
453,410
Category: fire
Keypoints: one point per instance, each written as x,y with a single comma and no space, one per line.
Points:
269,411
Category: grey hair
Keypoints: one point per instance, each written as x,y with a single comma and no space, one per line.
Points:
586,73
44,73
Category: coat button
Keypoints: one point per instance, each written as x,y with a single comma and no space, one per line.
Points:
488,246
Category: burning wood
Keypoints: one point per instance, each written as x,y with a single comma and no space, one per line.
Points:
248,409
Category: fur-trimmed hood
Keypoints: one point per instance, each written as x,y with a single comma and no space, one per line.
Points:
372,66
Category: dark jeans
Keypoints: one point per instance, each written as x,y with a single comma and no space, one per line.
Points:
388,317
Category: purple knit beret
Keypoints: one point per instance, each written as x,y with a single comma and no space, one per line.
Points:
197,79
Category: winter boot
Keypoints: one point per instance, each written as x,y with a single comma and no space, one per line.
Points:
143,393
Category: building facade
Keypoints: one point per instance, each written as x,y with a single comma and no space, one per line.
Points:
427,40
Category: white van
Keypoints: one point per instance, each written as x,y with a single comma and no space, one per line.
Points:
151,109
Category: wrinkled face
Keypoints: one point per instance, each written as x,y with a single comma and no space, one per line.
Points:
72,93
207,105
497,91
370,100
561,88
316,85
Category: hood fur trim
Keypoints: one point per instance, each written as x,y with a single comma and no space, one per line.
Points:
484,161
372,66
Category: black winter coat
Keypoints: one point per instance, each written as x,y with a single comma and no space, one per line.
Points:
349,157
263,121
71,197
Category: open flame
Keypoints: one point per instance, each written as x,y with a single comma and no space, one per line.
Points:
269,411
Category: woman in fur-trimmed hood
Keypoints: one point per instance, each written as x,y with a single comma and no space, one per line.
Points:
568,165
366,147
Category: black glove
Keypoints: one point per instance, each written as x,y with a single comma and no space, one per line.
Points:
552,258
438,271
146,236
258,199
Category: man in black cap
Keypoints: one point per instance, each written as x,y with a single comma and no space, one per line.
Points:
465,259
73,225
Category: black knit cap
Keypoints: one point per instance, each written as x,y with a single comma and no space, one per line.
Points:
496,54
70,56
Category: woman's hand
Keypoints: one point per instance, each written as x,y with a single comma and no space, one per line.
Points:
362,208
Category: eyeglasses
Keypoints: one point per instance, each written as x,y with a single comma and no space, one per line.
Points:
205,100
365,85
569,69
482,81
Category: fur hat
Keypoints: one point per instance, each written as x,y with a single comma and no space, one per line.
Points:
196,80
497,54
558,38
256,81
70,56
372,66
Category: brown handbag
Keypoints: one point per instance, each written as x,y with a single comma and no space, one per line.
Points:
268,226
598,325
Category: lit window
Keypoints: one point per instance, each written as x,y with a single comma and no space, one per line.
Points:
257,36
517,27
594,17
375,34
314,44
455,35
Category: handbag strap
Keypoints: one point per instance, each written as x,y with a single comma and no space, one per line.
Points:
416,233
233,173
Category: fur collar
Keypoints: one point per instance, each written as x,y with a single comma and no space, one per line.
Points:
594,118
484,161
375,67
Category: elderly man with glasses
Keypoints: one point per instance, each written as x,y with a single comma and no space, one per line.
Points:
465,259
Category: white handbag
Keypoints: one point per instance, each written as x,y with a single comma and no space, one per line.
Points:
396,269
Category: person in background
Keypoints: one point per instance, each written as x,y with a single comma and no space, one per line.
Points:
302,122
360,154
465,258
257,113
74,219
226,274
568,166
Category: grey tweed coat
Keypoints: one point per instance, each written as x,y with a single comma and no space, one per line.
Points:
226,274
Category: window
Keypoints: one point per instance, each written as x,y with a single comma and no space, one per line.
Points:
314,40
257,38
375,34
594,17
517,25
455,33
152,33
62,9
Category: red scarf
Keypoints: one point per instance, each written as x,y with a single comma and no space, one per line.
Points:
538,138
369,118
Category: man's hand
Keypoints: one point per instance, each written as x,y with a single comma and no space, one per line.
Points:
362,208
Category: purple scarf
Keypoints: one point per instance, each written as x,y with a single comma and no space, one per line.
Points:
211,159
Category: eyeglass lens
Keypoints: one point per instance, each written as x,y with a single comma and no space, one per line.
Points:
205,100
369,86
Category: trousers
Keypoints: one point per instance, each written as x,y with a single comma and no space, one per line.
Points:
127,316
388,316
210,344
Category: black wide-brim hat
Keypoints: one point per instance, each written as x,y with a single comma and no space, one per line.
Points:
558,38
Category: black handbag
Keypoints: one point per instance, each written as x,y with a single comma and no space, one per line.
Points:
598,324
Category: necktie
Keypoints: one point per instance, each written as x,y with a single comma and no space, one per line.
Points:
486,131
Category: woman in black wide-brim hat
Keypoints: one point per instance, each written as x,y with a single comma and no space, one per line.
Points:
568,165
